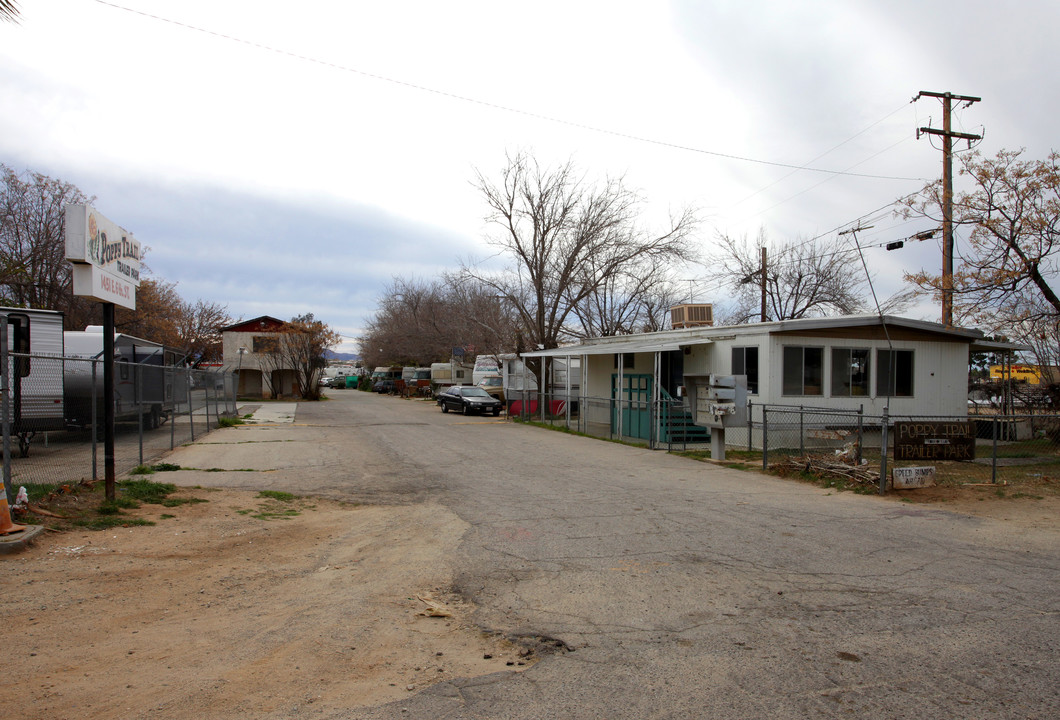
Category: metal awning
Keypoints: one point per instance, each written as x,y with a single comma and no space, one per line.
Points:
998,346
634,344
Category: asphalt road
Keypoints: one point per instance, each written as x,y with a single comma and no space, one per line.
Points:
664,588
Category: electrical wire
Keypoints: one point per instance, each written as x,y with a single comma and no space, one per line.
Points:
496,106
825,153
828,179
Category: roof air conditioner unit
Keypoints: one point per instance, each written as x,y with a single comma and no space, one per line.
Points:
691,315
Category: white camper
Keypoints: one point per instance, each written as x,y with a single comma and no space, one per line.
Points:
35,371
451,373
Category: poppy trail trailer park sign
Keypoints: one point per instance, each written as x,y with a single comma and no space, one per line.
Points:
934,440
931,441
106,257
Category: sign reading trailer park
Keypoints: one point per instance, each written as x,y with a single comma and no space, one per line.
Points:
934,440
105,256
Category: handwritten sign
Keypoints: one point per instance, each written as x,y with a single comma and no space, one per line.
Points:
933,440
913,477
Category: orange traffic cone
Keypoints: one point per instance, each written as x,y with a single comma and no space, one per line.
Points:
6,526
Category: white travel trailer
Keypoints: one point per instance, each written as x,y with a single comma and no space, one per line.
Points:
521,387
36,372
145,374
451,373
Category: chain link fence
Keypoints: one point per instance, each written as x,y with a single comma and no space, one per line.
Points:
54,408
1002,449
665,423
953,450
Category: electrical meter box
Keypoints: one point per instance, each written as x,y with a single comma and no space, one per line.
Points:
717,401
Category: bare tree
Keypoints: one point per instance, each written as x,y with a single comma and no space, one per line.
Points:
9,10
34,271
163,316
300,348
627,301
657,304
565,239
199,326
419,322
806,278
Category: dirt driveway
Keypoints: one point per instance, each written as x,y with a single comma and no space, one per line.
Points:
237,607
227,610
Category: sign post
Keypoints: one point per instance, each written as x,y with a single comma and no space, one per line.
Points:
106,268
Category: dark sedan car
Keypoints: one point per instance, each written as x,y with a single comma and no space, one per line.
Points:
383,387
468,399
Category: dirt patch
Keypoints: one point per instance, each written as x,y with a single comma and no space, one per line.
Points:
1022,505
229,608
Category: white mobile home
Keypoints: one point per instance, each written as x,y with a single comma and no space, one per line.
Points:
912,367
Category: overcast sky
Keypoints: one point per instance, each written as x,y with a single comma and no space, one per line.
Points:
283,158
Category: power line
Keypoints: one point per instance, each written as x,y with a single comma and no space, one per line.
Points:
495,106
825,153
829,179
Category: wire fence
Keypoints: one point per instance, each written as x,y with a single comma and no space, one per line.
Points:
950,450
55,416
665,423
976,448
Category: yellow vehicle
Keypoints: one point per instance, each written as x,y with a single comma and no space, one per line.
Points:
1030,374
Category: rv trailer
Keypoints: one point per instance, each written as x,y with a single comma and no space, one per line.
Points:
145,374
35,337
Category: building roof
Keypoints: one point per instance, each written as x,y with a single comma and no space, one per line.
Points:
265,323
674,339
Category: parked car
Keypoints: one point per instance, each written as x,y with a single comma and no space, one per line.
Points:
469,399
384,386
494,385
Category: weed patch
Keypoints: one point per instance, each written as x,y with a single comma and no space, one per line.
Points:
277,495
107,522
177,502
276,514
147,491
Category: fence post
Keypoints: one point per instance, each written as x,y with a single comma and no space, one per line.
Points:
93,425
861,433
138,392
5,412
883,452
191,408
207,381
765,440
173,411
750,426
993,452
802,433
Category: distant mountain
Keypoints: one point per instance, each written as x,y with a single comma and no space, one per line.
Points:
346,356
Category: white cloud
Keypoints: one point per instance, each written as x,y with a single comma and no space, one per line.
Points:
304,181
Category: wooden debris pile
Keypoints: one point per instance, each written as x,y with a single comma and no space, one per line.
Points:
829,466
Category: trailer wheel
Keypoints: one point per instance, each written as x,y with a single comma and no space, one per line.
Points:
156,418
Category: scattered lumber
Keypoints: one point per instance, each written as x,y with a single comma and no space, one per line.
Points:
829,466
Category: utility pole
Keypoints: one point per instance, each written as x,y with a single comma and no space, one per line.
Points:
761,272
763,285
947,189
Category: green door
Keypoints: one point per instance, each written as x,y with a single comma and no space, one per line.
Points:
636,405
